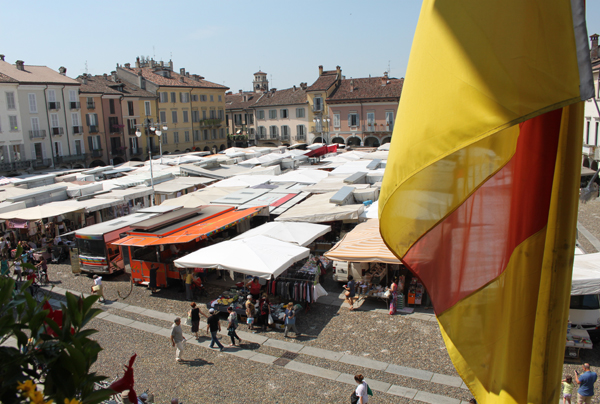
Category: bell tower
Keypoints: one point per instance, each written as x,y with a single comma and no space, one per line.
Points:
260,83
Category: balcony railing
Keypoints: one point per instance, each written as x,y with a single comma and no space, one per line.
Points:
57,131
211,122
77,129
97,153
75,104
317,108
136,152
273,136
41,163
300,137
251,136
37,134
116,128
15,165
155,150
285,137
261,136
131,131
91,105
53,105
93,128
117,152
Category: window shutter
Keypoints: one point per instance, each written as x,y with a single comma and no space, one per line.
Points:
44,155
90,144
33,156
349,119
95,119
87,119
357,119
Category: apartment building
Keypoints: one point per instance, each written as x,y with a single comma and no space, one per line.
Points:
318,112
362,111
190,107
39,117
282,117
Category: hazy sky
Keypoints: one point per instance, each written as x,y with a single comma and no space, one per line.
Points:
225,41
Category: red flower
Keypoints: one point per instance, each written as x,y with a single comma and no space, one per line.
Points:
57,317
126,382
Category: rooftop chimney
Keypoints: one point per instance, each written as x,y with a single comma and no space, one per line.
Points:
105,76
2,58
294,87
137,62
114,76
20,65
594,47
320,70
171,64
187,74
303,86
128,65
141,80
84,78
351,85
339,72
240,91
181,79
196,77
182,71
62,70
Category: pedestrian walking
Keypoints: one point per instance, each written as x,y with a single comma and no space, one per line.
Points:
232,326
194,315
567,384
394,293
214,326
189,278
4,266
250,312
98,289
264,307
289,319
43,269
177,339
586,384
18,271
152,283
350,291
361,394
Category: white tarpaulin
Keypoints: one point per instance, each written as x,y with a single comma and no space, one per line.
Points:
318,209
292,232
586,275
202,197
40,212
256,256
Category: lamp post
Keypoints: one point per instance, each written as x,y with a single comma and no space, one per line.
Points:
150,128
321,124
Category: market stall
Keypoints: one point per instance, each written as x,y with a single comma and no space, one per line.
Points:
299,233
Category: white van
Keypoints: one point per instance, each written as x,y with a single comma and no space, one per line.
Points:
584,312
341,270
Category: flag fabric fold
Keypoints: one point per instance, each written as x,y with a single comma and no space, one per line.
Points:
482,174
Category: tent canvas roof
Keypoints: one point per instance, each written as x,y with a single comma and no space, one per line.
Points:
586,275
260,256
202,197
363,244
292,232
318,209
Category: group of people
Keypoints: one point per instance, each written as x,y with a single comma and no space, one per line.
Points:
585,381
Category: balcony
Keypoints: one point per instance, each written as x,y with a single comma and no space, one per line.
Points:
96,153
252,136
93,128
77,130
301,137
136,152
285,137
210,122
75,105
317,108
37,134
73,158
53,105
91,105
14,166
131,131
116,128
57,131
273,136
154,150
118,152
41,163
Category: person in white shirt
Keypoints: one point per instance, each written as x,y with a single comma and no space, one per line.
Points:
97,288
361,390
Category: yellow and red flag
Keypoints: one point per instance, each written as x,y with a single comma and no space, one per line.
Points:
479,198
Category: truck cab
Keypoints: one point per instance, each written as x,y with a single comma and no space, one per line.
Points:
584,312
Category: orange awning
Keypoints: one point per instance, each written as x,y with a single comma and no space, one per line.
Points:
198,231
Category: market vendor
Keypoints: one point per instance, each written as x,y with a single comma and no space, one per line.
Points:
254,287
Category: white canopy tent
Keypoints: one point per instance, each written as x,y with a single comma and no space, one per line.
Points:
318,209
586,275
201,197
256,256
292,232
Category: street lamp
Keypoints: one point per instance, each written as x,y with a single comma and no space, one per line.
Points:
150,128
320,124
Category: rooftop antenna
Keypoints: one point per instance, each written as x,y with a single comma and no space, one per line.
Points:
389,68
272,85
86,67
153,53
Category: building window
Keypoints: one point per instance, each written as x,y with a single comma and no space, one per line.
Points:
54,123
164,138
318,104
164,97
10,100
111,106
336,120
12,121
371,120
196,135
79,147
133,145
587,131
220,99
113,123
299,112
175,137
75,119
261,132
353,119
222,133
194,97
273,131
283,113
221,114
214,133
212,98
203,97
272,114
187,136
185,116
163,116
90,103
130,108
147,108
597,124
237,119
184,97
195,116
285,132
205,134
213,114
173,98
32,104
300,132
73,96
260,114
249,119
389,120
174,116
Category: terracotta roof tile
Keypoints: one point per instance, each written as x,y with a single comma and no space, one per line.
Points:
325,80
236,101
175,79
5,79
106,85
35,74
288,96
367,88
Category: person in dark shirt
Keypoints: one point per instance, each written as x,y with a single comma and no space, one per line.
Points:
214,326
